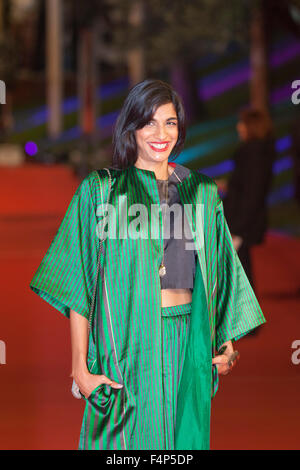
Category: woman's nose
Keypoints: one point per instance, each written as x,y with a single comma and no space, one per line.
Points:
160,132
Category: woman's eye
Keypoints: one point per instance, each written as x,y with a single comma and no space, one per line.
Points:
172,123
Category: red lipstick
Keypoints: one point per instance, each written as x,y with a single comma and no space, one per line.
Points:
161,143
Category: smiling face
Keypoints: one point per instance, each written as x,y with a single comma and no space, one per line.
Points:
156,140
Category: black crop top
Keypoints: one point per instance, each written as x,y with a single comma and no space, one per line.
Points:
180,262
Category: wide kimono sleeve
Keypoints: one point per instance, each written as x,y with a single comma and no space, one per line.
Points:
66,276
237,310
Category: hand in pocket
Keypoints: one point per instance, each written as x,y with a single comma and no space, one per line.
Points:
90,382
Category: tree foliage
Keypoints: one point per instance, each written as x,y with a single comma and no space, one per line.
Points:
181,29
177,29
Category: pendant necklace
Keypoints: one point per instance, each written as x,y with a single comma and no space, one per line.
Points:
162,269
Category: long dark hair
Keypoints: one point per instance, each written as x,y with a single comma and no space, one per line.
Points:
138,109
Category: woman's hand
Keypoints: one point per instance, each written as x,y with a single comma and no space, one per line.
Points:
88,382
221,360
237,242
79,338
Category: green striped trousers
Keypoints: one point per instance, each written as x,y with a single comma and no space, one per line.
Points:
175,327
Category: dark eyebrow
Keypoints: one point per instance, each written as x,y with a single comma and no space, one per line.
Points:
169,119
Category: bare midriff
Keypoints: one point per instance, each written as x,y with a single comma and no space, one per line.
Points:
172,297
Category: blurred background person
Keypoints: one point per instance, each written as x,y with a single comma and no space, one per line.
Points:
245,203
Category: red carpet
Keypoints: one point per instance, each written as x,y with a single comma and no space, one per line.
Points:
257,405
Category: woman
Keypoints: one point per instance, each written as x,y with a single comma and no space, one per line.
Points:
165,303
245,204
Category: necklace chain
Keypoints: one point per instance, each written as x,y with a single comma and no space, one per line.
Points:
162,269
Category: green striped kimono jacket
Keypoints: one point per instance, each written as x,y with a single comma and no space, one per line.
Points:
125,340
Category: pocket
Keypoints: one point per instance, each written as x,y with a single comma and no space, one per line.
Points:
92,392
99,387
101,398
